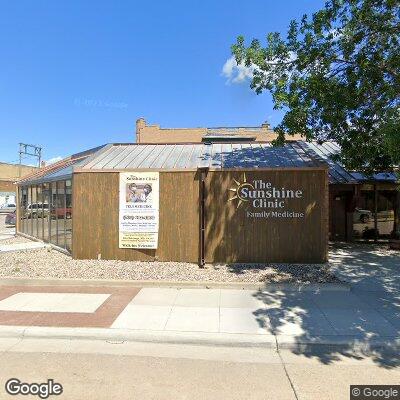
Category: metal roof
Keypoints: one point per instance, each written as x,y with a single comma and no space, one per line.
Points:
59,174
200,155
120,157
62,169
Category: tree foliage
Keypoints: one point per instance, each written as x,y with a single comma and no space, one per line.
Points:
337,77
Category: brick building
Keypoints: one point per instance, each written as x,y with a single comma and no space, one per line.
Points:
146,133
9,173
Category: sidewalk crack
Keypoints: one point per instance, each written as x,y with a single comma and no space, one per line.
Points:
286,371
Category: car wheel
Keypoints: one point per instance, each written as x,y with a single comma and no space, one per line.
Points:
364,218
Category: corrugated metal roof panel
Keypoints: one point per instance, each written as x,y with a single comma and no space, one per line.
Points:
119,157
336,174
173,157
142,157
270,156
195,157
97,158
58,174
141,153
183,159
148,162
205,158
212,155
159,162
258,153
134,152
123,154
216,156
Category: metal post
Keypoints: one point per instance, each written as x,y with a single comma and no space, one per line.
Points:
39,155
20,161
375,214
202,176
65,213
396,208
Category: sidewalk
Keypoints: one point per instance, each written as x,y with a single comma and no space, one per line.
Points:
5,248
283,318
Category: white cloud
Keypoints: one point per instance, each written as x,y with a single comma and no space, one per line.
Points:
236,73
54,160
240,73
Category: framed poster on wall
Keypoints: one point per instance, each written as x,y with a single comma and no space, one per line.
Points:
138,210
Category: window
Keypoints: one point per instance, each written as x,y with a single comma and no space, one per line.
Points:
68,215
46,212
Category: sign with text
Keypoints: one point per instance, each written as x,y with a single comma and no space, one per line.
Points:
138,210
265,199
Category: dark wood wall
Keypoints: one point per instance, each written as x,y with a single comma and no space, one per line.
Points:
95,218
232,236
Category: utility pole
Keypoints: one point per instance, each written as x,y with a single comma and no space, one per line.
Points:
29,150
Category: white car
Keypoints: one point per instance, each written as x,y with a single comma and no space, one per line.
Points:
6,208
361,215
34,210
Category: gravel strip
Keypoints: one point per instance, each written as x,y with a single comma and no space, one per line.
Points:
46,263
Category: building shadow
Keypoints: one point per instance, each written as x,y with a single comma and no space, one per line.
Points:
363,317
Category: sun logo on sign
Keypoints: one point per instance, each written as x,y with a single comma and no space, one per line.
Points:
237,190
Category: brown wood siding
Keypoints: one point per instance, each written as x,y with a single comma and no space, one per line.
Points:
95,218
231,236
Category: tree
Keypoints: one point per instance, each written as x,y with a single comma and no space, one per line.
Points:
337,77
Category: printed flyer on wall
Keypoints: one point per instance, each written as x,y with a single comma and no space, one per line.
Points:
138,210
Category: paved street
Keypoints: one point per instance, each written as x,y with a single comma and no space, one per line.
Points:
101,370
124,342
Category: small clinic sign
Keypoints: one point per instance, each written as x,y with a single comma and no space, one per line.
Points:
138,210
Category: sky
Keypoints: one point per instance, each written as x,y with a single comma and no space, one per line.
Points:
77,74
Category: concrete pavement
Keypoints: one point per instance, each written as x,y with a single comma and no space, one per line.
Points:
6,232
103,341
271,318
367,268
129,370
6,248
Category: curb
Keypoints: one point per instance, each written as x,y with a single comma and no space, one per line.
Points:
313,287
269,341
337,344
32,246
146,336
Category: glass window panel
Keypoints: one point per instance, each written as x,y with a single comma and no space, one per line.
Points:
34,214
61,213
68,215
29,211
21,190
385,213
46,212
53,214
40,201
363,216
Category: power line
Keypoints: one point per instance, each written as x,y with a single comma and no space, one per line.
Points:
29,150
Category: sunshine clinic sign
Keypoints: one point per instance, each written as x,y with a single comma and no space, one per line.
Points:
267,200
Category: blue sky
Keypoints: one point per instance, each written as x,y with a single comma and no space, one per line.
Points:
78,74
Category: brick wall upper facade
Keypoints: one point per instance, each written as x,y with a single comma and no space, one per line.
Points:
155,134
11,172
7,186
